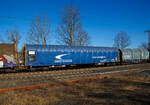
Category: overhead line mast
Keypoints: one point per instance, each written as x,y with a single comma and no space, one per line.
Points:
148,31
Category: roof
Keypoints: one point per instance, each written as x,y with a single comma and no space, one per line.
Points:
142,49
63,47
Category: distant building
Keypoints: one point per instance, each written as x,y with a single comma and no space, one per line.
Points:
7,49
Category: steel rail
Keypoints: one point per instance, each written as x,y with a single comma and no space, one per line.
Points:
68,70
39,78
103,75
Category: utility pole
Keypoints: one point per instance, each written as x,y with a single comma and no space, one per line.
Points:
148,31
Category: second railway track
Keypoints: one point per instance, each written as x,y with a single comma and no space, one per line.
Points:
33,78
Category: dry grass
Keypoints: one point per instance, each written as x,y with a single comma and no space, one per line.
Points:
120,89
26,98
130,88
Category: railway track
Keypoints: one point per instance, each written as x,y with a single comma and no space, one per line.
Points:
47,77
26,72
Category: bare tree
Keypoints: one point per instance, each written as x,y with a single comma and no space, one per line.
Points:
83,39
14,37
144,45
122,40
70,31
39,32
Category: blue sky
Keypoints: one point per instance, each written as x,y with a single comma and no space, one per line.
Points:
102,19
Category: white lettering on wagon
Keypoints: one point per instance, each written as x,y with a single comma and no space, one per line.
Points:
103,60
59,59
95,57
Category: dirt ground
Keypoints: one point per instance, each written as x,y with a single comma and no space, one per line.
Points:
130,88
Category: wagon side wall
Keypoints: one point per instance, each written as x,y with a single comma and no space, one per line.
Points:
66,55
134,55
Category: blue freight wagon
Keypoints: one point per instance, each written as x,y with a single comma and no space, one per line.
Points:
49,55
